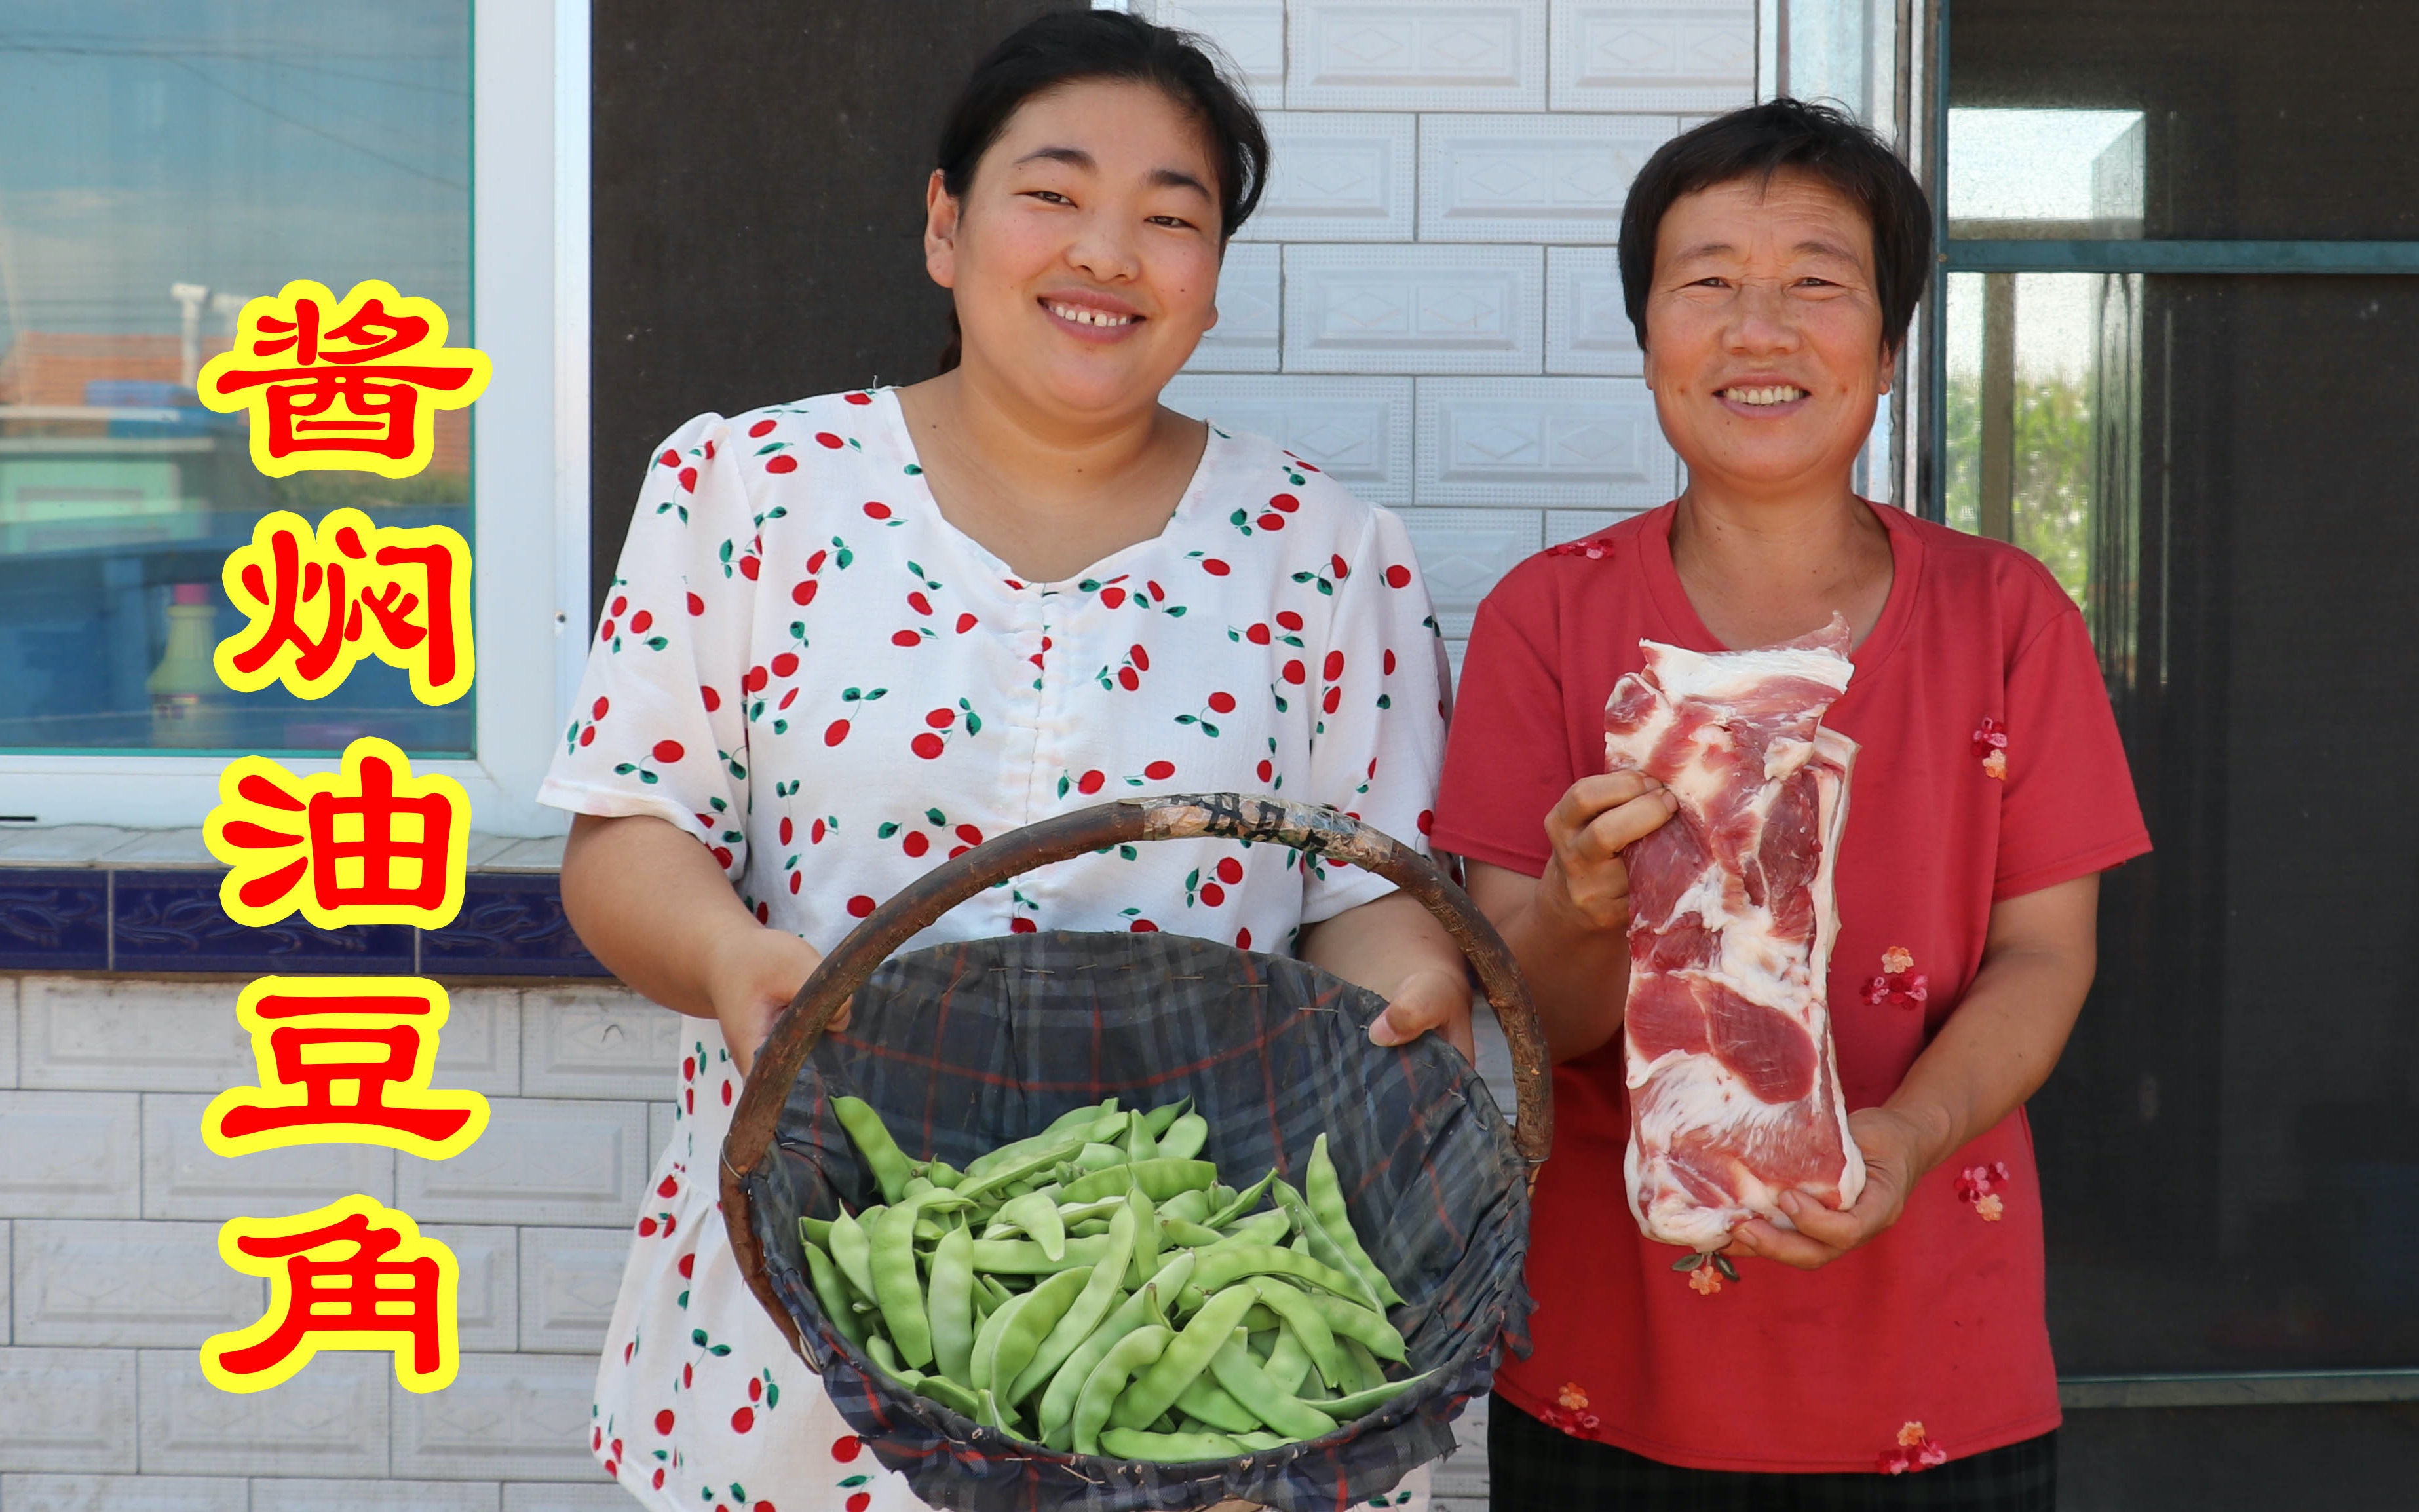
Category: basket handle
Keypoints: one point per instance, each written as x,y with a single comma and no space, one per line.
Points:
1180,816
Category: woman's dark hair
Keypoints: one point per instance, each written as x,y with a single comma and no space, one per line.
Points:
1764,140
1079,46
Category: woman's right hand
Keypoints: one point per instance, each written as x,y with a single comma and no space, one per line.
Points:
1585,883
753,974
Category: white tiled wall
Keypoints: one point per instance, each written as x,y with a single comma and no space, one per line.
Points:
109,1276
1431,273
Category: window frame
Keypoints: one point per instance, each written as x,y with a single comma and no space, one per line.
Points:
529,288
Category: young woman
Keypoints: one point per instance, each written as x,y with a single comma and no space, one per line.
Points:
1771,260
854,635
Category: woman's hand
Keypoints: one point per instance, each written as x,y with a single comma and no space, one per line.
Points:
1891,1143
1585,883
752,975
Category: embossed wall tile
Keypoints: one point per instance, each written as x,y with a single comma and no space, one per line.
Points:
132,1035
171,922
375,1496
1577,443
147,1284
183,1178
1415,54
1245,339
124,1493
479,1050
331,1420
1427,309
489,1299
70,1154
1336,176
603,1041
1653,54
1356,429
1252,33
570,1163
68,1410
1587,326
1531,178
1577,524
560,1496
511,925
1465,552
569,1278
54,920
522,1416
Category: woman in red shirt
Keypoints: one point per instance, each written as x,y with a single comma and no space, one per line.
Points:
1771,259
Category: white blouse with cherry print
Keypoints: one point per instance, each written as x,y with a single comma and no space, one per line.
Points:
806,666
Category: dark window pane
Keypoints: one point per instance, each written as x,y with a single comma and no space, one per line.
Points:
2274,121
2216,468
167,161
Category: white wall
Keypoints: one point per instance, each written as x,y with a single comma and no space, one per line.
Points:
1427,303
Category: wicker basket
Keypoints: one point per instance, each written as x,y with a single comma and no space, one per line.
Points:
964,1047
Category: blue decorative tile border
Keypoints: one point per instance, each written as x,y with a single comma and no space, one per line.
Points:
163,923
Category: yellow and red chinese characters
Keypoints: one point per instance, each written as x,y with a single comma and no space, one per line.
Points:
348,384
368,844
321,600
345,1061
353,1276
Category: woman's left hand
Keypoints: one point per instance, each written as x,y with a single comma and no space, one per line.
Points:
1429,1000
1890,1142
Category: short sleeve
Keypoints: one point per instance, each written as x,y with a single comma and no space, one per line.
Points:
1507,762
1379,718
657,727
2068,808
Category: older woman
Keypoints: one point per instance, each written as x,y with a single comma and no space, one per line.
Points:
1771,259
851,636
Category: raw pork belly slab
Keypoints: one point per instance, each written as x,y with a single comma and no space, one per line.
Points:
1733,1090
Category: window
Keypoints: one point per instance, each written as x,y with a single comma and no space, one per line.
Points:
171,159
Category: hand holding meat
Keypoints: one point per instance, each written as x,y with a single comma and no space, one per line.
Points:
1587,882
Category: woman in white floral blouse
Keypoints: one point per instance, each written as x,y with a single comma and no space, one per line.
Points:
854,635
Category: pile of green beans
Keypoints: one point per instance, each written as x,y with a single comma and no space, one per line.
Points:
1095,1289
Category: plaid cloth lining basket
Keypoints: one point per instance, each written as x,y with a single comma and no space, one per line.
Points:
964,1047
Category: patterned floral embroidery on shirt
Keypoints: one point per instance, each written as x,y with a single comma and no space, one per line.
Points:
1991,744
1979,1184
1899,983
1914,1450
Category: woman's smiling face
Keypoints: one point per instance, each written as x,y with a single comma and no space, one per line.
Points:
1764,334
1085,255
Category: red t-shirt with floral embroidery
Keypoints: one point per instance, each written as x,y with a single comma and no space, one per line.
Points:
1989,767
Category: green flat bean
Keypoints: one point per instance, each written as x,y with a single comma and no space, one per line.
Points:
1014,1351
1351,1321
884,1159
1083,1316
1241,1376
897,1290
1241,1203
1168,1448
1322,1246
1184,1137
853,1252
1160,1178
831,1294
1102,1389
1225,1264
1185,1358
1023,1256
1325,1193
1036,1217
950,1298
1306,1323
1362,1403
